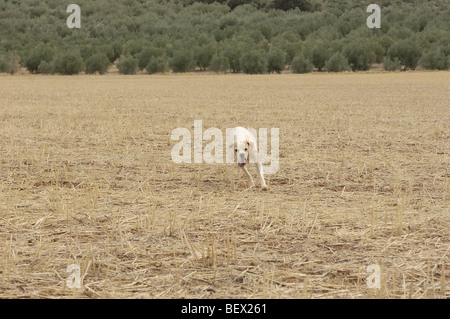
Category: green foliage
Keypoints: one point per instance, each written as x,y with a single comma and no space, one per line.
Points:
407,51
285,5
235,3
182,61
337,63
219,63
351,20
146,55
434,59
392,65
4,65
399,32
290,43
46,67
276,60
41,52
300,64
157,65
378,50
68,63
117,51
360,55
385,41
253,62
108,50
320,56
97,63
199,29
203,55
127,64
13,60
233,51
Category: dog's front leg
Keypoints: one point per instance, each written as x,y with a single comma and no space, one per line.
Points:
261,175
250,179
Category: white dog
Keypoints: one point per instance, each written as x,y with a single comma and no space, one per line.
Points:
245,148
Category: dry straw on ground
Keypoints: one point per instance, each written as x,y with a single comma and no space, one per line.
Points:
86,178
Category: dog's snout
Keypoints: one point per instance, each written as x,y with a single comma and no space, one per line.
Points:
242,156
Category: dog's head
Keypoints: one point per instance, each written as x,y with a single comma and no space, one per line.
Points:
242,148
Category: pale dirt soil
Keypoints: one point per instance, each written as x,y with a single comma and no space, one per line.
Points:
86,178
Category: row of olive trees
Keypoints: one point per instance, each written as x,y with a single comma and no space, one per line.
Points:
173,35
300,57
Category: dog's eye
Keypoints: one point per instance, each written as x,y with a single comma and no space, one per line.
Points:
246,150
235,149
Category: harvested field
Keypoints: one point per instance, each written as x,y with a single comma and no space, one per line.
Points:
86,178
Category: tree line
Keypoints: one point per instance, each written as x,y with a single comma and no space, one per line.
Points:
257,36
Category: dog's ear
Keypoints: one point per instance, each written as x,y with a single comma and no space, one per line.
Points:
251,145
247,142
